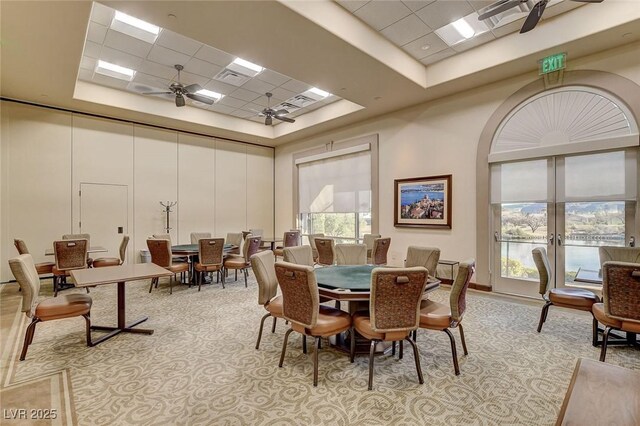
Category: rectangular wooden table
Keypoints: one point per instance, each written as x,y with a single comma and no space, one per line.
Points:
118,274
601,394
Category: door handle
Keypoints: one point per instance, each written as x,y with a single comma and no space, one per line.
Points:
559,240
551,239
495,236
632,241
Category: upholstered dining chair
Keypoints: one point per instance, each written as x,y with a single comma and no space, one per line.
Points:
380,250
440,316
300,255
368,240
197,236
69,255
619,254
251,247
567,297
113,261
326,251
81,237
235,238
210,258
351,254
66,306
263,265
290,239
43,267
312,243
394,311
176,257
621,307
301,307
423,256
160,250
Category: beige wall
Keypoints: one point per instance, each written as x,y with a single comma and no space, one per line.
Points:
438,137
45,155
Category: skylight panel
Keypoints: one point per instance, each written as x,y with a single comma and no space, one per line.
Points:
115,71
135,27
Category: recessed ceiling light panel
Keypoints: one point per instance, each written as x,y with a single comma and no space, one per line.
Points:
135,27
319,92
115,71
245,67
462,29
210,94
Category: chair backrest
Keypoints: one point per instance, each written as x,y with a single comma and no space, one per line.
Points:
197,236
380,250
235,238
70,254
210,251
77,237
544,269
368,239
245,234
619,254
326,251
423,256
458,294
621,290
24,270
351,254
300,298
263,265
257,232
163,237
312,240
160,250
300,255
251,247
21,246
292,238
395,298
123,248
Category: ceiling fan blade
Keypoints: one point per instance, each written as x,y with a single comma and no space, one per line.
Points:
534,17
268,121
282,112
157,93
180,101
499,8
193,88
287,119
200,98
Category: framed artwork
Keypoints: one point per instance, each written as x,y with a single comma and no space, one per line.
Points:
423,202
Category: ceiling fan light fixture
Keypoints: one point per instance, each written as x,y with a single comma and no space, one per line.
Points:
245,67
210,94
115,71
135,27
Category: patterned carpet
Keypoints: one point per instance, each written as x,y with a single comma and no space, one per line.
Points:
200,367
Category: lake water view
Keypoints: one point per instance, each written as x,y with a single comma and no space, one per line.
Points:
411,197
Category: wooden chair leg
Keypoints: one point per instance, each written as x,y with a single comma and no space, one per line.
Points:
464,344
87,319
543,315
372,349
315,362
284,346
246,274
260,331
416,356
454,352
304,343
605,340
352,352
28,337
401,352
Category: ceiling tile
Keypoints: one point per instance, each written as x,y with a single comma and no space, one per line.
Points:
434,42
120,58
258,86
416,5
479,4
220,87
438,56
92,49
232,102
125,43
96,32
178,42
295,86
187,78
253,107
109,81
443,12
203,68
281,93
151,81
197,104
215,56
264,101
243,114
165,56
406,30
352,5
245,95
473,42
88,63
221,108
158,70
380,14
85,74
272,77
103,15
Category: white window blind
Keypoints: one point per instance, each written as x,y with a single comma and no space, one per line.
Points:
609,176
519,182
340,184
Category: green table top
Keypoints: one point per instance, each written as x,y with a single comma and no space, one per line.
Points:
194,247
354,278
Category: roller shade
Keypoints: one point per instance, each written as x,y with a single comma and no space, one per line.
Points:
520,182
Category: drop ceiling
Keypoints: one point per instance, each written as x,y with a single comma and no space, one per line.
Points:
319,43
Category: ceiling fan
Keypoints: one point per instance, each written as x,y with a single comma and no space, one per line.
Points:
270,113
534,16
180,90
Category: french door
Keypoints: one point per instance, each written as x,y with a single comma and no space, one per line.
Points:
570,205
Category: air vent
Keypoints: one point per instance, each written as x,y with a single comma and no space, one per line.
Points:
231,77
301,101
286,105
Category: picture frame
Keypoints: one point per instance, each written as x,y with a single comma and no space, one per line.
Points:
423,202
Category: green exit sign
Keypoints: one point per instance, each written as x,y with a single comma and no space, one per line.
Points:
552,63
